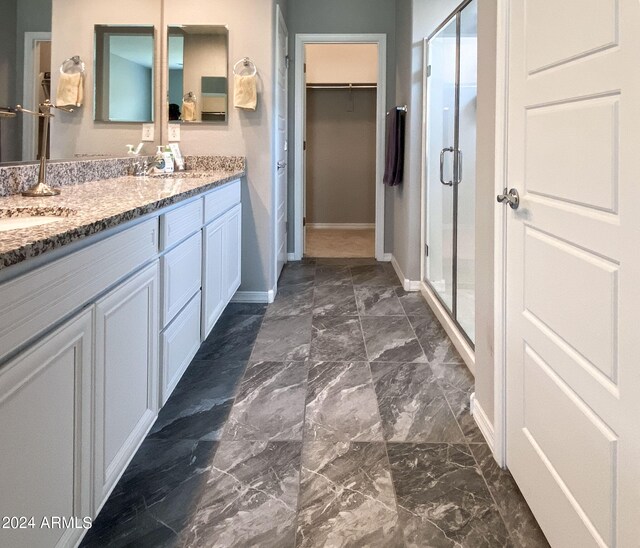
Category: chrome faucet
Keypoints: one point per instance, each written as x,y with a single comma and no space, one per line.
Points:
41,188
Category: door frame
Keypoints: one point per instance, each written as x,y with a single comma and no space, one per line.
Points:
29,93
300,123
279,19
500,237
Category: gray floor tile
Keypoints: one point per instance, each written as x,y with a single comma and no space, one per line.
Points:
442,497
270,403
412,406
378,301
522,526
341,403
156,497
200,404
297,273
231,339
283,338
413,303
331,300
292,300
345,261
250,497
434,339
346,497
373,275
391,339
337,338
333,275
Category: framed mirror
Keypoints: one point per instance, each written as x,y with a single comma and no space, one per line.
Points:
197,67
124,73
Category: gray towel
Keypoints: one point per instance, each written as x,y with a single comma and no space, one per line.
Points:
394,159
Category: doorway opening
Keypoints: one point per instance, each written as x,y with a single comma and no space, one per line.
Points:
37,88
340,163
339,146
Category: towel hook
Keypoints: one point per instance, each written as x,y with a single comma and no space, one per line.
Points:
246,64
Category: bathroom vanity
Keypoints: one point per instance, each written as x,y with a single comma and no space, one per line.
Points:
101,312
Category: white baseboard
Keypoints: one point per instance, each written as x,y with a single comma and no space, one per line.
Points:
254,297
291,256
341,226
386,258
408,285
483,422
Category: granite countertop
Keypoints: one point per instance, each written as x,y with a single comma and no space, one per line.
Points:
89,208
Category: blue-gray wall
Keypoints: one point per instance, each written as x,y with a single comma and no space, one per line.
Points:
127,83
8,126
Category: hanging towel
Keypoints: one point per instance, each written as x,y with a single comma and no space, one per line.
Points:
245,93
70,90
394,158
188,111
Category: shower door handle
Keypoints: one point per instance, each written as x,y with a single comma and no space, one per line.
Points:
442,153
459,167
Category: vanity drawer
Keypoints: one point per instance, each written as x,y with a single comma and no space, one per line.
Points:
220,200
179,343
179,223
181,276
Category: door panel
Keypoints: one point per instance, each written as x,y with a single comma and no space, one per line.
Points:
573,268
441,134
282,145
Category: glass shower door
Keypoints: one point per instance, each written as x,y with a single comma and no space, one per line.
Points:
441,135
450,176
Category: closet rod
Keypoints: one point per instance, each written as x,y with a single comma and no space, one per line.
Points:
342,86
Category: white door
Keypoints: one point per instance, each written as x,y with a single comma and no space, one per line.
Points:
573,274
282,145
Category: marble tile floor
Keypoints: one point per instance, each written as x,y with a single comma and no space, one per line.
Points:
337,416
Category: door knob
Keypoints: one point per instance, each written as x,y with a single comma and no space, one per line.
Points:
511,197
282,165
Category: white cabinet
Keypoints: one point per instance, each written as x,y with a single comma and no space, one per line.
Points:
45,435
126,384
221,271
213,290
179,344
232,256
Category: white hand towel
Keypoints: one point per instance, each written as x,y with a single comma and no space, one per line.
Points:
70,90
188,111
245,93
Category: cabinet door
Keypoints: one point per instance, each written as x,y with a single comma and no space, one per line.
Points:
45,433
213,291
232,251
127,388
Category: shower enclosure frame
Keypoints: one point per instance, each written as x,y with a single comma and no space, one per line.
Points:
446,313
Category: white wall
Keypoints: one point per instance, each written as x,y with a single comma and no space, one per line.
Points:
73,24
485,204
342,63
246,133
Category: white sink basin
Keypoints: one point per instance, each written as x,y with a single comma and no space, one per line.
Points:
14,223
28,217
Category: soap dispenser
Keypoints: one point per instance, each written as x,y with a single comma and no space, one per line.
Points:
159,161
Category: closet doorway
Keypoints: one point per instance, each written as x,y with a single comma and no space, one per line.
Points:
339,146
450,184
